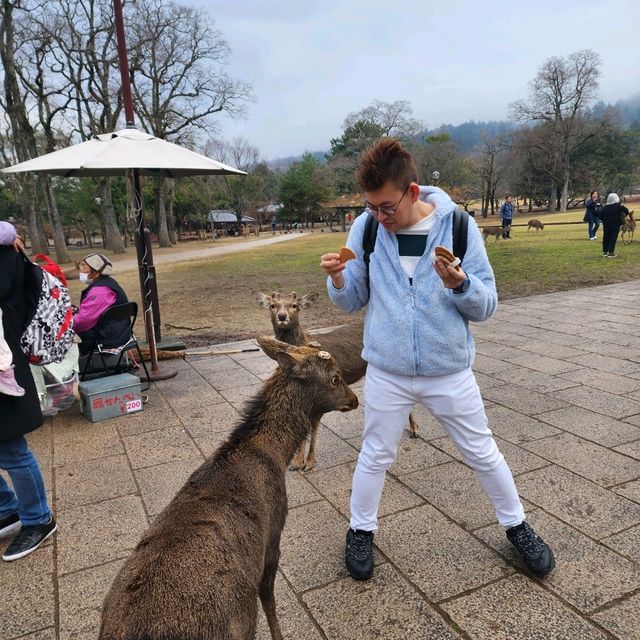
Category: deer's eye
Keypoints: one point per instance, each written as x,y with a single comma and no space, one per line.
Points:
273,306
294,306
335,380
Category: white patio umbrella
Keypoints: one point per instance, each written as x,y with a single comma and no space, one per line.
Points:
117,153
129,152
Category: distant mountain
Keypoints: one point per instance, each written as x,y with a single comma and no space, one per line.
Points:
282,164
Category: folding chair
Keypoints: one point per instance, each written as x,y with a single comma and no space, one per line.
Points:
127,311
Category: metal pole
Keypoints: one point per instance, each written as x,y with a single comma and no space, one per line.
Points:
144,253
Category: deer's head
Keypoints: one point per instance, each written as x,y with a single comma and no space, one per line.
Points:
284,308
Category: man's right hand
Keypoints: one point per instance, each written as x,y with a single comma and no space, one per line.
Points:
17,244
331,265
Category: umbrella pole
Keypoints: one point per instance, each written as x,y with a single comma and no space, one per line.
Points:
145,258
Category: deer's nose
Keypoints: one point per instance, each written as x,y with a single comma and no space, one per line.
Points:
282,317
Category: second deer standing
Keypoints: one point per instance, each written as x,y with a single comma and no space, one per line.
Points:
344,344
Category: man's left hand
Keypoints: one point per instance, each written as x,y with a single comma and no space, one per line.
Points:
451,278
17,244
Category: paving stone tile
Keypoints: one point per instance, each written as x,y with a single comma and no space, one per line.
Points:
207,366
622,619
610,382
415,454
486,382
630,490
81,595
518,459
160,483
635,420
574,578
201,396
498,351
261,364
97,533
542,364
626,543
299,489
439,557
606,363
293,618
80,483
237,396
233,378
84,440
591,425
454,489
43,634
489,365
600,401
630,449
156,413
331,450
516,427
589,460
312,546
518,609
27,593
523,399
208,445
591,509
384,607
535,380
334,485
156,447
538,344
202,422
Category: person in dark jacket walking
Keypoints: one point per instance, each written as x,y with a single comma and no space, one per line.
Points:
103,292
612,215
592,214
24,507
506,215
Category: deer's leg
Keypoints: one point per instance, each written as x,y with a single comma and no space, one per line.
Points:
413,427
311,457
266,588
298,460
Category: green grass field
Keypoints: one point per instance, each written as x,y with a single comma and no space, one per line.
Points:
212,300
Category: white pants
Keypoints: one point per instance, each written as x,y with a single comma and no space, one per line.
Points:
6,357
455,401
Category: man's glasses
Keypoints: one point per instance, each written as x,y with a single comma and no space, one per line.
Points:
385,210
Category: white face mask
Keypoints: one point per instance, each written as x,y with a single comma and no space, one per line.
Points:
84,277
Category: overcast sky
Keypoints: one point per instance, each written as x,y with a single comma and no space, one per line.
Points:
311,62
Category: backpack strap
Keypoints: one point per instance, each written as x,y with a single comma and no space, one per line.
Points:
460,225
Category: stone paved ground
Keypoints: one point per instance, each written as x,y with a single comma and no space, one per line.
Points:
560,374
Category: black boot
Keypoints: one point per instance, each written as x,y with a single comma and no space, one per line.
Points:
358,554
535,552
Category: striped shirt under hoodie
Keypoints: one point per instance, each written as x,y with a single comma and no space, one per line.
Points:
412,242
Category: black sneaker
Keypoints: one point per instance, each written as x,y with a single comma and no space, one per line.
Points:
9,524
358,554
535,552
28,540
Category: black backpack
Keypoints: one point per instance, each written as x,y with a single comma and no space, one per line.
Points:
460,224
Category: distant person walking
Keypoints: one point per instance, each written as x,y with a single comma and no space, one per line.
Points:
612,215
506,215
592,214
274,224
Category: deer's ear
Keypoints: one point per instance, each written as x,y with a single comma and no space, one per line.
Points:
291,364
272,347
308,299
263,299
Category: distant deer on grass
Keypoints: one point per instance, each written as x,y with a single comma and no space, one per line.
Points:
535,224
495,231
628,227
199,569
344,344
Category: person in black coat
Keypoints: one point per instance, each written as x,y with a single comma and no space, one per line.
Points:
24,507
612,215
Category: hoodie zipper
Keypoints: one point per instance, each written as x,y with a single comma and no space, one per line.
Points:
414,328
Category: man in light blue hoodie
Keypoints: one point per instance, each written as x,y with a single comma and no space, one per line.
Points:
418,346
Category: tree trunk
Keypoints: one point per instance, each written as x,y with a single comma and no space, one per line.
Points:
113,238
171,219
161,203
39,242
62,253
564,196
553,195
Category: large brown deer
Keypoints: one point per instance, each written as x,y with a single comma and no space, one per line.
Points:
628,227
344,344
198,571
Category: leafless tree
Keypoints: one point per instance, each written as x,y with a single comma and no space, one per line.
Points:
490,165
85,47
179,81
14,104
391,118
558,96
